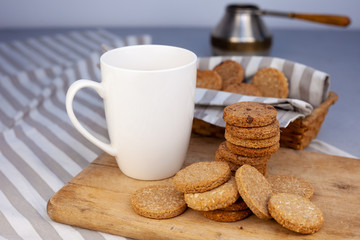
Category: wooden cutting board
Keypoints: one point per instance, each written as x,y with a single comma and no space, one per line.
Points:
99,199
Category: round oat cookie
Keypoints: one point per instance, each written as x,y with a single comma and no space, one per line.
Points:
230,72
202,176
208,79
295,213
291,184
239,205
271,83
244,89
249,114
226,216
224,153
220,197
254,190
252,152
268,131
252,143
158,202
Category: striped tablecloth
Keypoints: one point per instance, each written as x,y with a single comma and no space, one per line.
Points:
40,151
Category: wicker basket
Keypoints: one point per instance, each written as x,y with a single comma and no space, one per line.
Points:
297,135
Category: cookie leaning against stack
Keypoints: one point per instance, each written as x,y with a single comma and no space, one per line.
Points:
252,134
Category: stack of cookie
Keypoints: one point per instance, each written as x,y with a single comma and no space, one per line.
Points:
252,134
209,188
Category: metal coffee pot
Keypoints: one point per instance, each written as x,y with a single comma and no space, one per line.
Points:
241,31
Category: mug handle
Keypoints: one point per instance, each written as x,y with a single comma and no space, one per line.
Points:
73,89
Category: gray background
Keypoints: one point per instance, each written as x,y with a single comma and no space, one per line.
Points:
159,13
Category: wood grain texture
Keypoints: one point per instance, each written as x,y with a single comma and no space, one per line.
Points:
99,199
336,20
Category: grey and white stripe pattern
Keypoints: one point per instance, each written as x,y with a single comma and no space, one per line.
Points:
26,67
305,83
40,151
307,89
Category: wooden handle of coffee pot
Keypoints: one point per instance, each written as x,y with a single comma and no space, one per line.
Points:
336,20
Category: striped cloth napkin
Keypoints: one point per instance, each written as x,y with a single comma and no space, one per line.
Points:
40,151
307,89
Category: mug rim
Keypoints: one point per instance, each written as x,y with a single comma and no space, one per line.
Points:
194,58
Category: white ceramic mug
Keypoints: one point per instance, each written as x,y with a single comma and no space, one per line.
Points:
148,93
